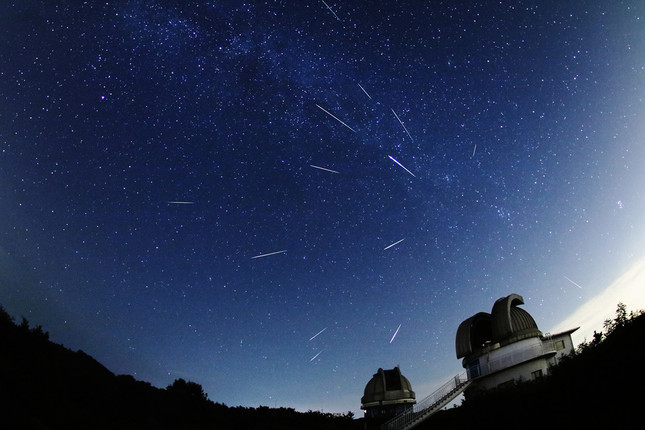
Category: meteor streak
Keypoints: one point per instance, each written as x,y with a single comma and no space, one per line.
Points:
323,168
270,253
314,357
316,335
402,125
394,159
181,203
572,282
332,115
331,10
474,149
395,243
395,333
365,91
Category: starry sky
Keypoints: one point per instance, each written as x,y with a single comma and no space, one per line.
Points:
274,199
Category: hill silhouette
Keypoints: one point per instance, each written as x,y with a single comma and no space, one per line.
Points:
44,385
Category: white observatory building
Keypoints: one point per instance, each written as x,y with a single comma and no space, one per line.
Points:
506,347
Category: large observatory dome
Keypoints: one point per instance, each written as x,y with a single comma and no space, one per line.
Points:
504,325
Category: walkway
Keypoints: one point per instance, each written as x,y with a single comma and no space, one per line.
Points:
428,406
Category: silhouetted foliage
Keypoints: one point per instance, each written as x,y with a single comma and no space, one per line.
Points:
24,324
5,318
187,390
46,386
621,320
37,331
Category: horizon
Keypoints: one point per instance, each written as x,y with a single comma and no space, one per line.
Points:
589,317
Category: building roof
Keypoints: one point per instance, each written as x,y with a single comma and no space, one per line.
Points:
507,323
563,333
387,387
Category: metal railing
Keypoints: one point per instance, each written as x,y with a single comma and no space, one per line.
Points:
443,393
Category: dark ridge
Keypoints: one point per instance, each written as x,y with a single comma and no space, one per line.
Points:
47,386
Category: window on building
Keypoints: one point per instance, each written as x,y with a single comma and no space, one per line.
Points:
559,345
537,374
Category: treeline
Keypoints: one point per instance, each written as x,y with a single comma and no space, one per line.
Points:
600,385
44,385
47,386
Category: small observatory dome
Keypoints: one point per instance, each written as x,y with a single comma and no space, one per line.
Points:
387,393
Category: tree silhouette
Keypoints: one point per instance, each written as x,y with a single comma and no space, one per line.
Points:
44,385
187,390
5,318
621,320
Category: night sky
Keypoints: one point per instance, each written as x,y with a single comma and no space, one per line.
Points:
152,153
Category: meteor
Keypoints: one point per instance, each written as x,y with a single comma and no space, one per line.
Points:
365,91
395,243
402,125
395,333
474,149
572,282
323,168
270,253
316,335
394,159
331,10
181,203
314,357
332,115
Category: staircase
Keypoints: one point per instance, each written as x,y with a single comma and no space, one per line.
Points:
428,406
